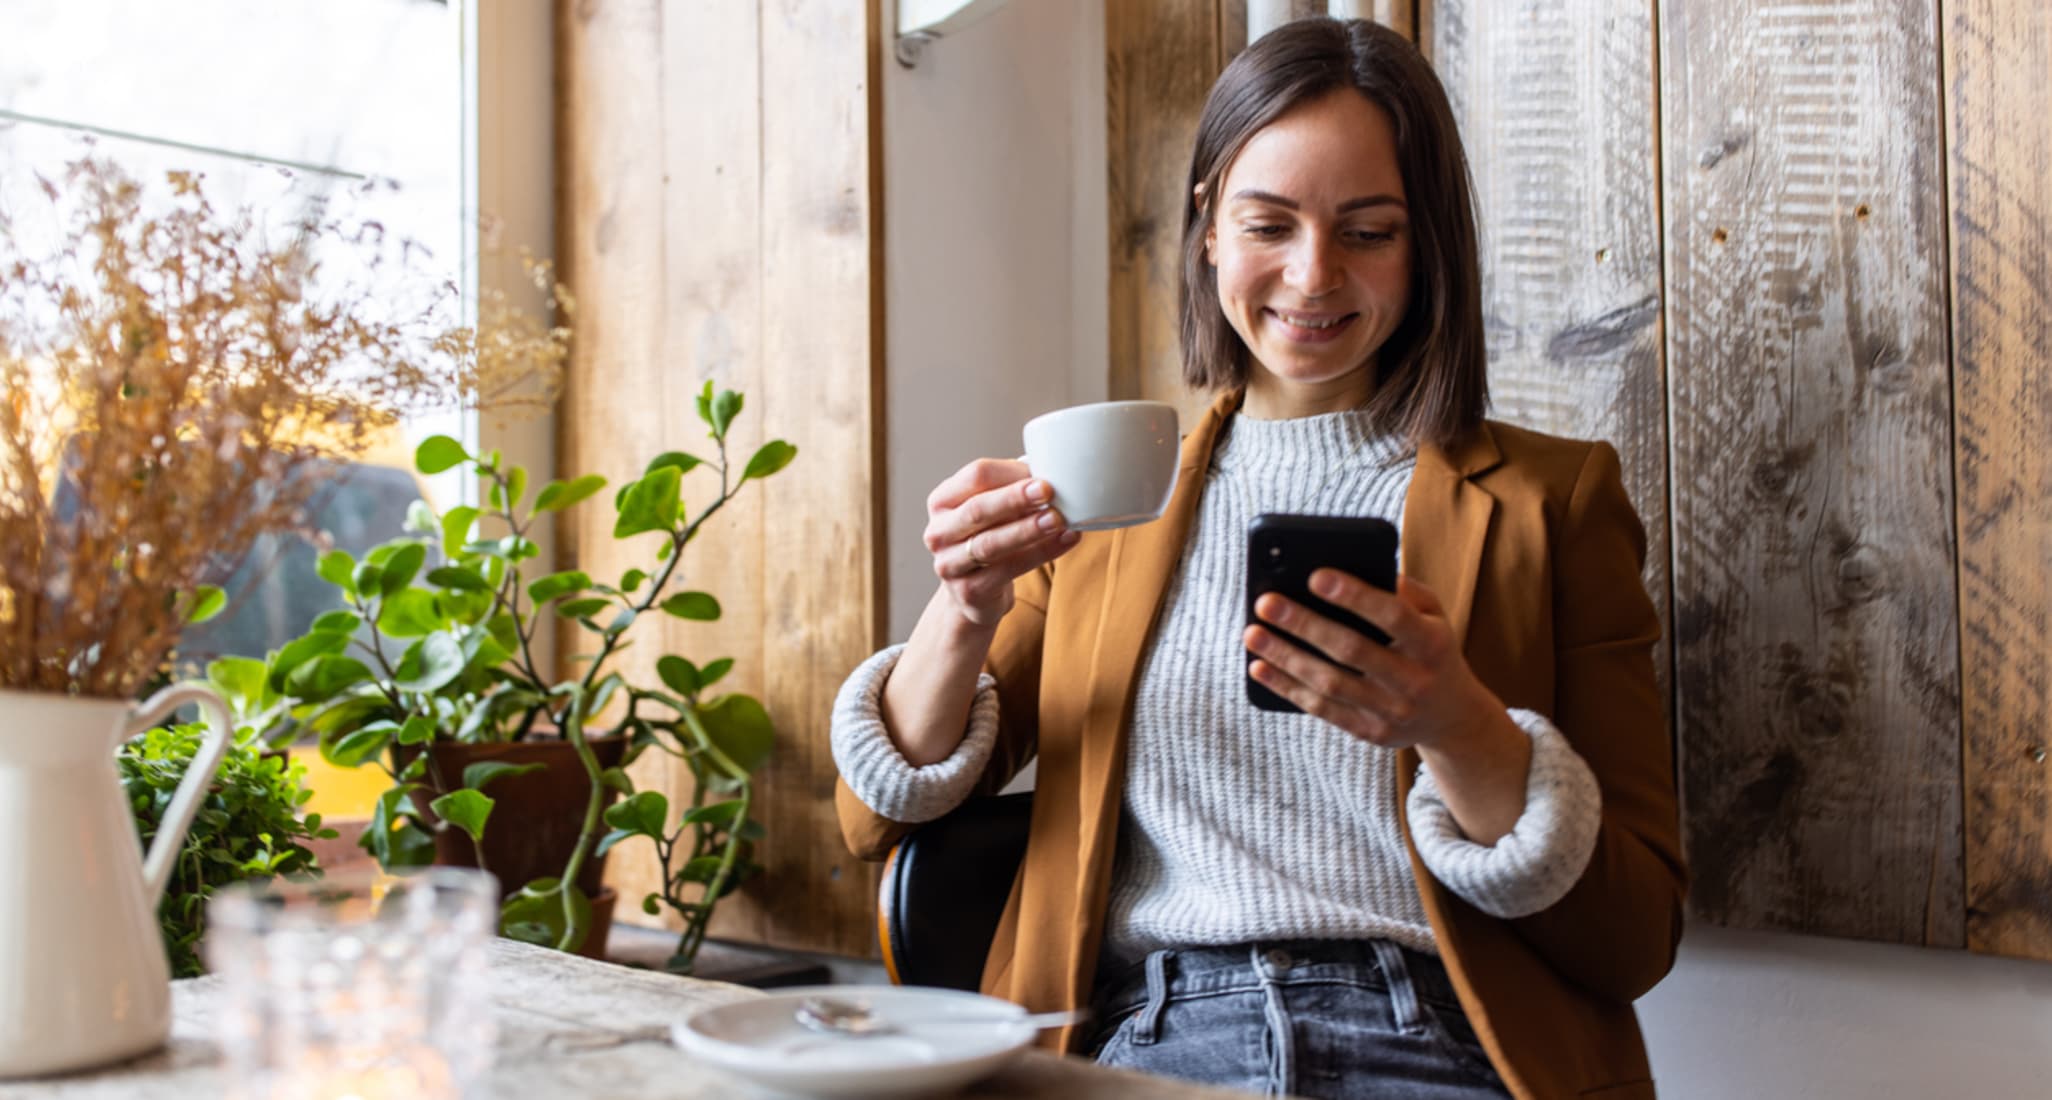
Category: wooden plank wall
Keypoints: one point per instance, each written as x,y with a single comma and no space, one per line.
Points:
1815,615
1160,59
1997,55
1793,259
693,236
1557,107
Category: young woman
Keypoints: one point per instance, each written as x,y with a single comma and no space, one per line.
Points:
1452,874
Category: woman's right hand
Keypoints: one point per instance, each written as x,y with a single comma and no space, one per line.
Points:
987,525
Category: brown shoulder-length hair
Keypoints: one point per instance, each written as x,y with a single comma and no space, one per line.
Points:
1431,375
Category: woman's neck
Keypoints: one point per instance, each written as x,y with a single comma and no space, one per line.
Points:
1271,397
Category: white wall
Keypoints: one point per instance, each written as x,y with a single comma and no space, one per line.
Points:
1781,1017
995,258
994,253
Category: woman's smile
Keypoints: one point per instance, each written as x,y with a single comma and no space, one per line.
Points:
1310,328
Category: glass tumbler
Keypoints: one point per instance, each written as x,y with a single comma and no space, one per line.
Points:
358,985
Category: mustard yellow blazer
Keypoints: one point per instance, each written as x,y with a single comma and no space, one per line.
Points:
1534,549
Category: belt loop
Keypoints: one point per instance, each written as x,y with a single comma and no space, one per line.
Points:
1403,996
1148,1026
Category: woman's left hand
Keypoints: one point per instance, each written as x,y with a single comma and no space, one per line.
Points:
1417,690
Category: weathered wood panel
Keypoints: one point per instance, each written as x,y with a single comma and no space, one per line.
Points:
822,548
1999,121
1160,59
610,187
1558,109
1815,619
718,214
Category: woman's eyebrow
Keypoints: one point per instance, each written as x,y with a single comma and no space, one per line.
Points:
1274,199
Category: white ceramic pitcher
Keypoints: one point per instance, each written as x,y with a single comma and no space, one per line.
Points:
83,978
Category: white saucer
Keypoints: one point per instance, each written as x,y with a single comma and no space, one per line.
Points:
943,1039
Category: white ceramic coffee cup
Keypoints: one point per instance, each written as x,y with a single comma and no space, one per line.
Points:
1112,464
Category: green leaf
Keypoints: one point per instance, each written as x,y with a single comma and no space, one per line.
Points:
344,622
711,673
395,841
437,453
335,567
700,870
466,809
302,649
650,504
696,606
365,579
631,580
681,462
516,486
650,905
410,613
207,602
557,585
535,915
680,674
719,813
583,609
740,728
769,458
400,569
418,729
643,813
617,779
325,677
357,746
483,772
725,407
705,397
457,577
456,527
558,495
239,678
430,663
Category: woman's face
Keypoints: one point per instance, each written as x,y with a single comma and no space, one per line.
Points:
1311,241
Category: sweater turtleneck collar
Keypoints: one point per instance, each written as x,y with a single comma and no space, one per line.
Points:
1320,442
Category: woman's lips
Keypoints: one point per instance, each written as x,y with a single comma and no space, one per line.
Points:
1313,328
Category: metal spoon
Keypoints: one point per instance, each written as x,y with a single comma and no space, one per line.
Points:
837,1017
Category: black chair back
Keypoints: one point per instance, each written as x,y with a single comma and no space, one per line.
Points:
944,888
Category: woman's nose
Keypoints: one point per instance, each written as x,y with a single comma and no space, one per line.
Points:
1313,269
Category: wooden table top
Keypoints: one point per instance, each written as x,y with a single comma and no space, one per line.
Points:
568,1027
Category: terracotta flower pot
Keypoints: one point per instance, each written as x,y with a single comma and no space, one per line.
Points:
536,818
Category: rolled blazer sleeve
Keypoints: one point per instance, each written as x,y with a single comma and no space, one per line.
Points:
1015,662
1615,932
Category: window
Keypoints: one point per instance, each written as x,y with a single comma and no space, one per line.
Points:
277,103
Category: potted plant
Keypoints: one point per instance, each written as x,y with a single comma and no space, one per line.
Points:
429,672
168,377
250,824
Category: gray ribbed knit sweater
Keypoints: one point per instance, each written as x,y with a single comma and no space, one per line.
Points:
1240,824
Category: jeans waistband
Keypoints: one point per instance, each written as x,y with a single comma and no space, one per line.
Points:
1185,971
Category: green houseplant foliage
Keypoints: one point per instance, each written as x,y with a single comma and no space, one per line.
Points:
435,643
249,827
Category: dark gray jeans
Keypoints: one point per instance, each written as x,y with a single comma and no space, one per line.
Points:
1338,1019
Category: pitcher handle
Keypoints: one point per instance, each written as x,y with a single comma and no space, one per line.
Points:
185,803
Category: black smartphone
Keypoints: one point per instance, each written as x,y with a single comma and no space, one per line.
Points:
1282,553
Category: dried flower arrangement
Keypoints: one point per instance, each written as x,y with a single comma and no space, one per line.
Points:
169,377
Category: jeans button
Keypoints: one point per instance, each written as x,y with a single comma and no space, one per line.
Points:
1278,958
